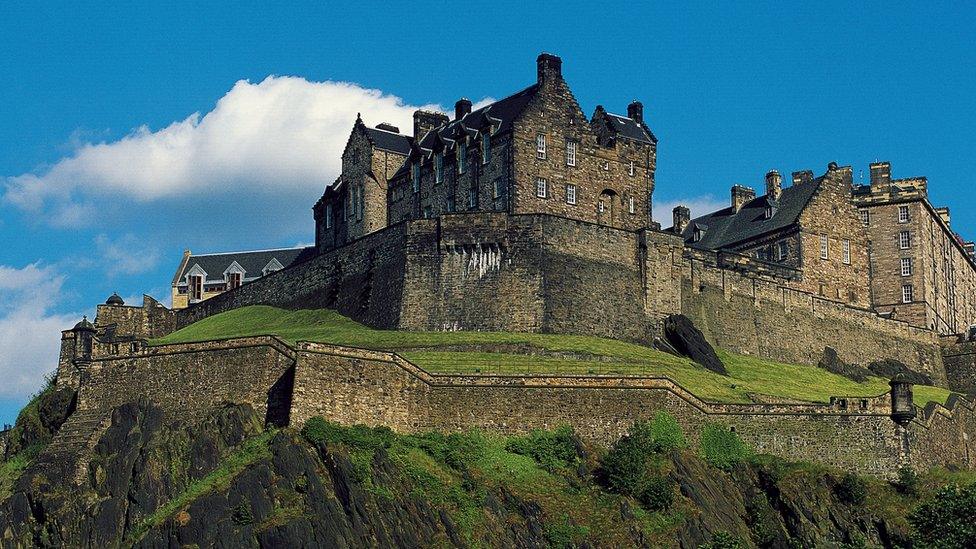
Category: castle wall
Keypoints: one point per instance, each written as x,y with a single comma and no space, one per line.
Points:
193,378
352,386
960,365
150,320
764,316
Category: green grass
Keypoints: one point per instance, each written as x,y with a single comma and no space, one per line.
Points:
549,356
10,471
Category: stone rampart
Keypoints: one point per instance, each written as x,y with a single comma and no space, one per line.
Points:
960,365
191,379
753,314
352,386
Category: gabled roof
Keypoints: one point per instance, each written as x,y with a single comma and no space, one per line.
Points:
629,129
253,262
727,228
389,141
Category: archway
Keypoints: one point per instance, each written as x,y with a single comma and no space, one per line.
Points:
607,207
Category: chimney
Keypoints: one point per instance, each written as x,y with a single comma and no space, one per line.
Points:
802,177
635,111
386,126
774,185
549,66
424,121
741,195
943,214
681,217
881,175
461,108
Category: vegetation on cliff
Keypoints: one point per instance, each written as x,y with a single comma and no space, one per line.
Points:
225,479
520,353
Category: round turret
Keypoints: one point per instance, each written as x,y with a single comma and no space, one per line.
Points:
84,326
114,299
902,401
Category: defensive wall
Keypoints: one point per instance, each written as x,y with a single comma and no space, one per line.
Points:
959,356
542,273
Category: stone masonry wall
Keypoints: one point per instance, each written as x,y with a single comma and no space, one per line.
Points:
960,365
353,386
194,378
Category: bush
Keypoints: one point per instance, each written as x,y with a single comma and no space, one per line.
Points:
551,449
851,489
723,448
723,540
457,450
948,520
907,481
666,435
658,493
319,431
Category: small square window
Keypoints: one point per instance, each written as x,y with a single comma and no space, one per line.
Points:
540,187
906,266
907,293
540,146
571,194
903,214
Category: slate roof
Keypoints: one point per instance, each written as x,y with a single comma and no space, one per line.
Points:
629,129
726,228
389,141
252,262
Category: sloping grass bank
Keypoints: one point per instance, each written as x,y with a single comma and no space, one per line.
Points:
551,354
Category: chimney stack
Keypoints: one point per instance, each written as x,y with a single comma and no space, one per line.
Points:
881,175
801,177
424,121
635,111
549,66
774,185
386,126
944,215
681,217
741,195
462,108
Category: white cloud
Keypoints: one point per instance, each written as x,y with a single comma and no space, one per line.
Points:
699,205
29,333
281,135
125,255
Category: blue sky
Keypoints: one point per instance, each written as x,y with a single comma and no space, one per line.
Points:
130,133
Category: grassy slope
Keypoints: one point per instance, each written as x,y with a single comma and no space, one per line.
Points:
747,374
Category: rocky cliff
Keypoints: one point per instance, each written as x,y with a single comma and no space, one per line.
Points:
227,481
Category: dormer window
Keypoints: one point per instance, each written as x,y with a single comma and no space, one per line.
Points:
273,266
486,147
195,283
416,176
698,234
769,212
462,157
233,280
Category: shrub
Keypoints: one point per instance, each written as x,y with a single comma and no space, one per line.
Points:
666,435
851,489
551,449
317,430
947,520
907,481
565,534
723,540
658,493
457,450
723,448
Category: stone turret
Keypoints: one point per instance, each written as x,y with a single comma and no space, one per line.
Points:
774,185
681,217
902,402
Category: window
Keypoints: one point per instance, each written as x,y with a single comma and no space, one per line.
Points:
540,146
570,153
571,194
498,188
768,214
907,293
451,206
846,249
427,212
601,206
195,283
360,203
540,187
347,204
782,250
328,216
906,266
416,177
905,240
233,280
472,199
485,147
824,247
462,157
439,168
630,169
630,205
903,214
865,217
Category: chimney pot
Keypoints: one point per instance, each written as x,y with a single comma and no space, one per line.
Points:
635,111
462,108
549,66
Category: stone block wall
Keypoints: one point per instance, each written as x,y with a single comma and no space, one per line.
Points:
194,378
150,320
960,365
352,386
